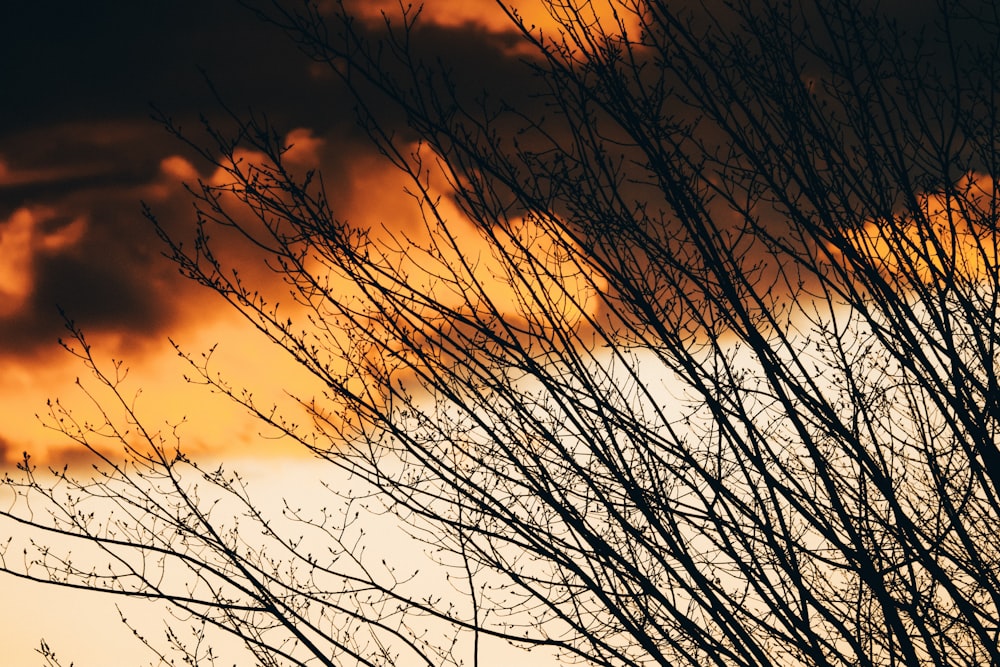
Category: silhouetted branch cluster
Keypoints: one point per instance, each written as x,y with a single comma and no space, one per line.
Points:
712,381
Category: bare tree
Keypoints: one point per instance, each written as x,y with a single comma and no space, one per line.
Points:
719,385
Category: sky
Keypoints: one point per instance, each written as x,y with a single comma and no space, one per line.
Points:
79,152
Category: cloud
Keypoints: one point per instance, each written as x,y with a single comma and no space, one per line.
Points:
547,18
89,252
177,168
304,148
26,237
949,237
15,260
79,153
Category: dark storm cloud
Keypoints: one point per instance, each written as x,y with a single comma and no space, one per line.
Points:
77,144
77,141
45,163
110,280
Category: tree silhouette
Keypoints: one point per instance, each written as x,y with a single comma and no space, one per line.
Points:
712,382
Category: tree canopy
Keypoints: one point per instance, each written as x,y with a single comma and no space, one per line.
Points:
693,360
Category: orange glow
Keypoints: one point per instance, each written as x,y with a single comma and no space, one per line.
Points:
22,237
952,241
527,262
209,425
177,168
540,16
16,247
504,267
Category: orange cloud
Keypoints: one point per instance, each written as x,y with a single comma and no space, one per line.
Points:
527,260
304,148
23,236
109,276
11,176
368,193
548,18
211,425
177,168
16,249
951,238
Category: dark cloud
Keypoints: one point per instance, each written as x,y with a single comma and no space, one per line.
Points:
78,151
76,138
101,266
77,143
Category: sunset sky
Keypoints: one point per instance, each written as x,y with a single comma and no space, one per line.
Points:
78,152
